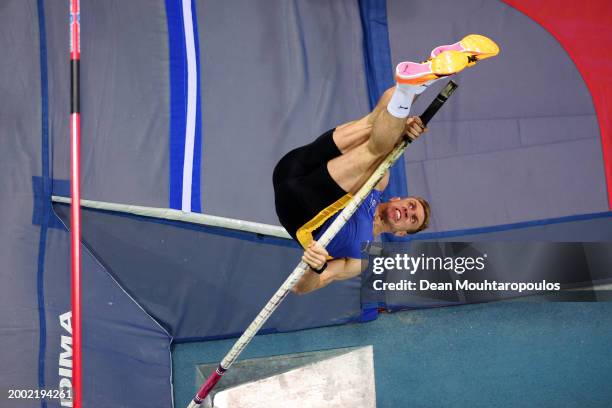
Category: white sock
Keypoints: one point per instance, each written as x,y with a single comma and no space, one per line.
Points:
401,100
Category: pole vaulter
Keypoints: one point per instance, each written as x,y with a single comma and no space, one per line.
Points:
301,268
75,208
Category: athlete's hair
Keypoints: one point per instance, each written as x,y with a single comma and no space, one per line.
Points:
426,210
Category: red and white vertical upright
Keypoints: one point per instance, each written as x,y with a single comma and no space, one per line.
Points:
75,214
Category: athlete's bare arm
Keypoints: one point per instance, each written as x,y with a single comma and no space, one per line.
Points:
338,269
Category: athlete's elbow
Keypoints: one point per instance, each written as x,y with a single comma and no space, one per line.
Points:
300,290
308,284
301,287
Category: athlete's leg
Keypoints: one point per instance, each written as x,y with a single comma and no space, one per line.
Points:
366,142
352,169
352,134
345,137
360,158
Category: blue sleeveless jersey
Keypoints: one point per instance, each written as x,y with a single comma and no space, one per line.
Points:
358,229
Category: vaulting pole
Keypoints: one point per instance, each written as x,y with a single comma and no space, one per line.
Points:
75,213
327,236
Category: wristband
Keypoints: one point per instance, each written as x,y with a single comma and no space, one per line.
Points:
320,271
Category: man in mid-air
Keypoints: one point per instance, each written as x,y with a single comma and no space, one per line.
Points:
314,182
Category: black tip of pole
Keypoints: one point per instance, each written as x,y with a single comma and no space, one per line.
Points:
437,103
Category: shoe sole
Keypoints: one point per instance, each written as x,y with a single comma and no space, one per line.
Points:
476,47
444,64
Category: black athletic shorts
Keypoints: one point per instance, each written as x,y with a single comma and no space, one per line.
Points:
302,184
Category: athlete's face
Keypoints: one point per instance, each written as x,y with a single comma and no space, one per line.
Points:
404,215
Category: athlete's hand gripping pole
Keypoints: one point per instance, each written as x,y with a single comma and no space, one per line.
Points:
327,236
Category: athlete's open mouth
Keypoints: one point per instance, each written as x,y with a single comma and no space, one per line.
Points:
398,214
